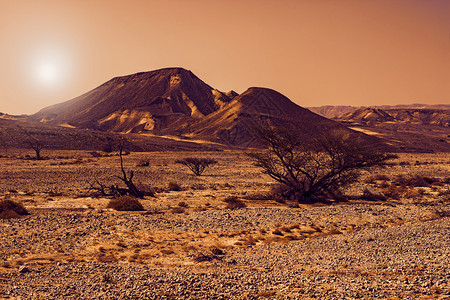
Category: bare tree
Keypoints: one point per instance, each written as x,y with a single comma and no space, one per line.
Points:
196,165
34,143
128,178
312,169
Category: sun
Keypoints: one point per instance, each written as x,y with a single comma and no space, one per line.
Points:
49,68
47,73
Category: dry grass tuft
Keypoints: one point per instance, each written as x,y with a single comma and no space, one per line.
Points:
125,203
234,202
10,209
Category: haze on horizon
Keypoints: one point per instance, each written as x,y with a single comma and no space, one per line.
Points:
346,52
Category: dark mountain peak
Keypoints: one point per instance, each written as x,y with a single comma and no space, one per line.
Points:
152,99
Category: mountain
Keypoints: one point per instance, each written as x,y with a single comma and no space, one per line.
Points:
331,112
256,106
174,102
417,116
408,129
367,115
151,101
422,116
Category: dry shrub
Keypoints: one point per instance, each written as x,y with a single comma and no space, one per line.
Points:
146,189
369,196
393,191
198,209
382,177
125,203
204,257
177,210
167,251
415,181
143,163
10,209
267,294
182,204
217,251
188,248
95,154
173,186
413,193
198,186
370,180
234,202
196,165
258,196
102,257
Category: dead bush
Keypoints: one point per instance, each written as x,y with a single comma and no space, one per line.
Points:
234,202
125,203
10,209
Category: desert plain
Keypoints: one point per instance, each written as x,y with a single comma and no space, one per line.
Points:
390,240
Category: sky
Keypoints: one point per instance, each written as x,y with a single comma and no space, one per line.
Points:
316,52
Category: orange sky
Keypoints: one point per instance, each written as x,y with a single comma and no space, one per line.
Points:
316,52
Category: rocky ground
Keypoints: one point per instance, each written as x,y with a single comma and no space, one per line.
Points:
72,247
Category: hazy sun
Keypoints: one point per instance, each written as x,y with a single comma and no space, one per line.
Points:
47,73
50,67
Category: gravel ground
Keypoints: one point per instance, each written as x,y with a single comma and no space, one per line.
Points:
71,247
50,255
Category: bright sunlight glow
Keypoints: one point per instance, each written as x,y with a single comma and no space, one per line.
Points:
47,73
50,67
